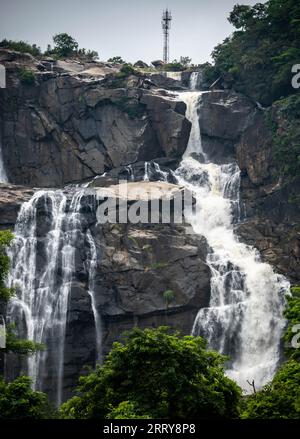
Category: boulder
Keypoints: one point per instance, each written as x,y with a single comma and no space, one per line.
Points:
141,64
157,63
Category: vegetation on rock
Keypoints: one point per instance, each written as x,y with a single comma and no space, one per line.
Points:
21,46
6,237
27,76
259,56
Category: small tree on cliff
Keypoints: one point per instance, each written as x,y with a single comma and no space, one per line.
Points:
5,239
158,375
64,45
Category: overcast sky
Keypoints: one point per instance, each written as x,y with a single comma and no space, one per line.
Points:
129,28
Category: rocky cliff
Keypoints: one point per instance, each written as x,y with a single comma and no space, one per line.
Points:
65,125
74,122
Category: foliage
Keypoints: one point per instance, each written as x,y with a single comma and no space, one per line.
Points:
283,119
64,45
125,71
116,60
21,46
160,374
168,297
258,57
280,399
91,55
126,410
185,61
19,346
26,76
5,239
19,401
292,313
174,66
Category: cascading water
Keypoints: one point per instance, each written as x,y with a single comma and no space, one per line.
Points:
194,80
92,265
49,230
245,316
3,176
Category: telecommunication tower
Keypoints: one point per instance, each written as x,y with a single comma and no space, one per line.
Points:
166,25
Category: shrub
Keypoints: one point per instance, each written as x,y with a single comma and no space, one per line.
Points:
27,77
19,401
278,400
21,46
125,71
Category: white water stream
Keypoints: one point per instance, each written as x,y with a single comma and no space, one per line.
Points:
3,176
245,316
42,270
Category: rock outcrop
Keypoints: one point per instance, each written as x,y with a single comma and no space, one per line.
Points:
136,264
71,125
11,199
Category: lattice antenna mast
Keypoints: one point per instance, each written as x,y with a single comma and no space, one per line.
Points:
166,25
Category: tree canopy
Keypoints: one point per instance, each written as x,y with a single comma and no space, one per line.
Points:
19,401
159,375
259,56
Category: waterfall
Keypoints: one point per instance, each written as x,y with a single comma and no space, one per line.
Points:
3,176
245,317
194,80
146,171
92,265
49,230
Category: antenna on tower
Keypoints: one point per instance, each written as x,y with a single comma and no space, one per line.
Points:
166,25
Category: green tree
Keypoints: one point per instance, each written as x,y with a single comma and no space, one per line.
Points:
168,296
116,60
19,401
280,399
19,346
65,45
27,76
125,71
258,57
292,313
6,237
185,61
127,410
88,54
162,375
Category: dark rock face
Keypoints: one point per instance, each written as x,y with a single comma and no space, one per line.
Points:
136,265
68,128
224,117
139,263
11,199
